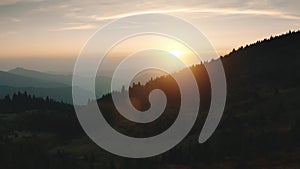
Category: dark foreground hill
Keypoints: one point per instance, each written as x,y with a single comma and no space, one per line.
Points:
260,127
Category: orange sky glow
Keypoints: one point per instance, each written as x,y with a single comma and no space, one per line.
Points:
59,29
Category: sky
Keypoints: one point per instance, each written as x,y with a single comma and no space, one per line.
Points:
48,35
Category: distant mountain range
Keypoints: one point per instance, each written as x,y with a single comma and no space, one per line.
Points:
63,79
58,87
22,80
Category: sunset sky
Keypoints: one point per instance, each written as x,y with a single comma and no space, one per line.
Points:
36,33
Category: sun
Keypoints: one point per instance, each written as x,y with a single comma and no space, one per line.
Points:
176,53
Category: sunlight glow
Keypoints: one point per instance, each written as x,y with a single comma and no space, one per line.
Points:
176,53
156,42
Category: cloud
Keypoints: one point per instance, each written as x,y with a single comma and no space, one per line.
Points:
9,33
238,11
111,17
79,27
12,2
6,20
8,2
95,12
218,11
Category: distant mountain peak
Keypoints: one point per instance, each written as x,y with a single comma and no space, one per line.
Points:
18,68
21,69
